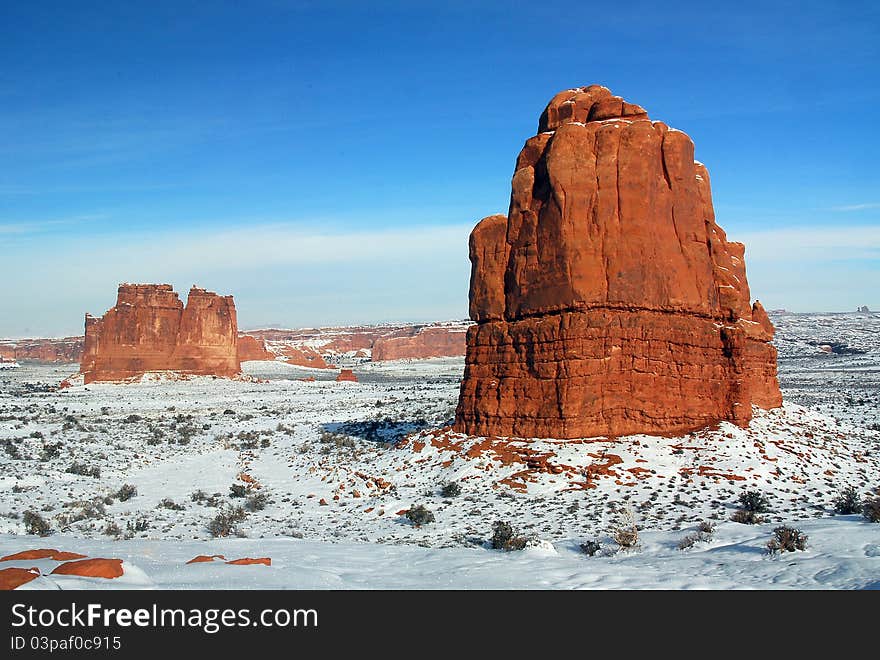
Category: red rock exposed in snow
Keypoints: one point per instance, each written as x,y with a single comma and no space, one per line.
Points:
149,329
43,553
421,342
346,375
12,578
609,302
99,567
249,561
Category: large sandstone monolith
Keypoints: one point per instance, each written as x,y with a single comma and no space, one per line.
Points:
149,329
608,301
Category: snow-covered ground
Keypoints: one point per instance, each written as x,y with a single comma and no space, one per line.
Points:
326,472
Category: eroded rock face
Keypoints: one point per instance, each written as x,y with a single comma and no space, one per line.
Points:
609,302
149,329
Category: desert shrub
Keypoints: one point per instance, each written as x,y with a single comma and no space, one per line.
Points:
126,492
88,509
418,515
746,517
787,539
131,419
754,501
450,489
112,529
590,548
256,502
140,524
848,501
627,534
505,537
50,450
12,450
238,490
84,470
871,509
36,434
35,524
706,527
224,523
168,503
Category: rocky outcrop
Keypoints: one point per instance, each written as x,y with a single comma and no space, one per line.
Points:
422,342
251,349
346,375
608,301
149,329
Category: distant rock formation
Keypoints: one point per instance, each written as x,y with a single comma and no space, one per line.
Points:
422,342
149,329
377,342
64,350
609,302
864,309
346,375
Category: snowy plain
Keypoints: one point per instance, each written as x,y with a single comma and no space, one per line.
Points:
323,473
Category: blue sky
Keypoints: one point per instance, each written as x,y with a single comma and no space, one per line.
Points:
325,161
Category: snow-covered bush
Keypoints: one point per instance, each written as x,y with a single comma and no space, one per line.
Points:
787,539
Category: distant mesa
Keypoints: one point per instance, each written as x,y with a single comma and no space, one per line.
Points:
149,329
864,309
608,301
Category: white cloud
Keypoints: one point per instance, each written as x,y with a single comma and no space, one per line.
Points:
857,207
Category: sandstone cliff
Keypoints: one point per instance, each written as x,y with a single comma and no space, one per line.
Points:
609,301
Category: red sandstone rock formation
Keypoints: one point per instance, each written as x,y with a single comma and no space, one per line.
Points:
609,302
421,342
346,375
250,348
149,329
